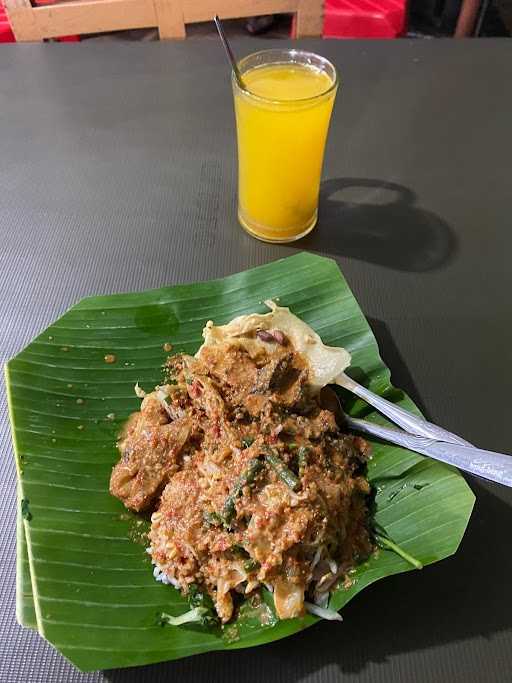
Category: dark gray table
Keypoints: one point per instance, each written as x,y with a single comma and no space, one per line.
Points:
118,172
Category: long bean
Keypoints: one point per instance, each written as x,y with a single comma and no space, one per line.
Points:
251,565
282,471
212,518
245,479
302,457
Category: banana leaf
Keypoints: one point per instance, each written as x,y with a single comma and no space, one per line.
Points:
84,578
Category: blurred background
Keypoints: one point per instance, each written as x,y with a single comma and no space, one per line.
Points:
36,20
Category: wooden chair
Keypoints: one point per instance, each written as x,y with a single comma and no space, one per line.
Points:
169,16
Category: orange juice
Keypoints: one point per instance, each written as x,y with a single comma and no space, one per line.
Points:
282,122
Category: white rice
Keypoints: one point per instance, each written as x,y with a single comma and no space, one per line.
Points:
160,575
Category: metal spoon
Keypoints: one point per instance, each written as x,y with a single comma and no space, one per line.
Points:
486,464
403,418
229,52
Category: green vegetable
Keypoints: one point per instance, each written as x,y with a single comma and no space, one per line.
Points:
202,610
239,550
385,542
198,599
212,518
245,479
251,565
72,472
302,456
282,471
193,616
247,441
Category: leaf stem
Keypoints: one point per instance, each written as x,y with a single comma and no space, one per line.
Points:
388,543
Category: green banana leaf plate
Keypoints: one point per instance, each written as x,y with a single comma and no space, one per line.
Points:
84,579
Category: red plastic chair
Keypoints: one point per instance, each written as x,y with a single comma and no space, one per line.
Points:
6,34
364,18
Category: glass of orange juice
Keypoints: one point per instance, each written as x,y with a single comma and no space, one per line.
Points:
282,119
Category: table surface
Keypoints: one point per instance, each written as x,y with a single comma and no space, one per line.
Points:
118,172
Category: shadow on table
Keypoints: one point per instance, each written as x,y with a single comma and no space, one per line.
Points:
379,222
466,596
400,374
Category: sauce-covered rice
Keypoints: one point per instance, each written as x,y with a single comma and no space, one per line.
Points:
249,480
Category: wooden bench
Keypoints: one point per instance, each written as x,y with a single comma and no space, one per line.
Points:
169,16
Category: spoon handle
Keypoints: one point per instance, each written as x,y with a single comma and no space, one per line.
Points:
403,418
493,466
